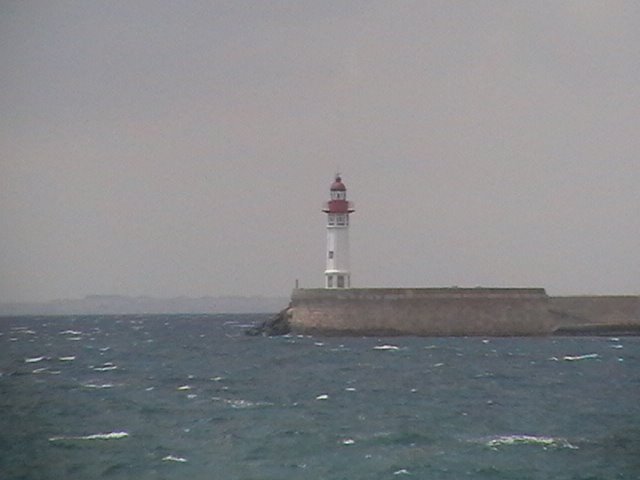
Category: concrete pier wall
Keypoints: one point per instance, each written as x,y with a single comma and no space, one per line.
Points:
604,310
422,311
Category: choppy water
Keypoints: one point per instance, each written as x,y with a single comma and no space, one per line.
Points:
163,397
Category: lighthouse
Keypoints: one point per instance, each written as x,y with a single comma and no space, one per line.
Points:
337,274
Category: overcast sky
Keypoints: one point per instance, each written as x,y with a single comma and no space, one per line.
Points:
185,148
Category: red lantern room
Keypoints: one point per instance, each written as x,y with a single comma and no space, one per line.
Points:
338,195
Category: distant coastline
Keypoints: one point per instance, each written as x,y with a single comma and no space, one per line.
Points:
122,305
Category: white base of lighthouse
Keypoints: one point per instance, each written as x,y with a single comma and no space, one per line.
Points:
337,273
337,279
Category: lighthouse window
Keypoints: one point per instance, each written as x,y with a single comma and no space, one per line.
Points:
330,253
338,195
332,219
341,220
340,281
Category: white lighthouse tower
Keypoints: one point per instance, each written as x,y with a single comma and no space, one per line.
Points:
337,273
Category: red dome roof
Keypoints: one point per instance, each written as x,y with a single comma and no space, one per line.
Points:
338,185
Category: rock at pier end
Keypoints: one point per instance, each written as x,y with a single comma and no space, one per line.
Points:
276,325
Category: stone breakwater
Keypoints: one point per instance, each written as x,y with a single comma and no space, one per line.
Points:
452,312
421,311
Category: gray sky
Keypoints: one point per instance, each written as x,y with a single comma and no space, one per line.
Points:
184,148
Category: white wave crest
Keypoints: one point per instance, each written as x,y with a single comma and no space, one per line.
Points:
402,471
171,458
574,358
97,385
95,436
386,347
239,403
34,359
105,367
544,441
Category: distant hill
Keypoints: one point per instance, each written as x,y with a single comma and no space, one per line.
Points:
119,304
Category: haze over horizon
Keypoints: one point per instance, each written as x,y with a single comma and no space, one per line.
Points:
185,148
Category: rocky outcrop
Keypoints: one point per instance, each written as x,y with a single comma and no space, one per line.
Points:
276,325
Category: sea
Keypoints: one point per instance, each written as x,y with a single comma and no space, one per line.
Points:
193,397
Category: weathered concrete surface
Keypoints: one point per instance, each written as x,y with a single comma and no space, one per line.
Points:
607,314
596,309
459,312
422,311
